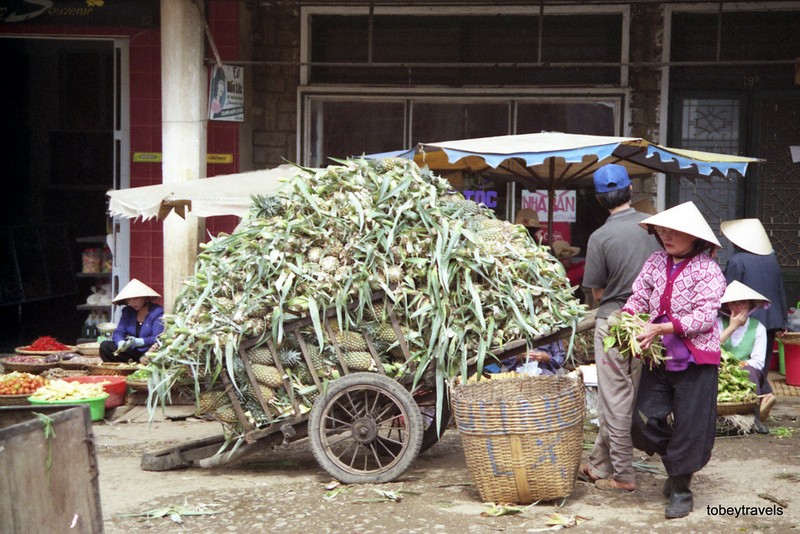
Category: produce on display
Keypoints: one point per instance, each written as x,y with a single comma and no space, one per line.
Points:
623,328
17,383
61,390
459,281
47,343
734,384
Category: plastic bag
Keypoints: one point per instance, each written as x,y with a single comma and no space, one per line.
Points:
529,368
793,322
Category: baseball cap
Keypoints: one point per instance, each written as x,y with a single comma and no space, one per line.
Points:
611,177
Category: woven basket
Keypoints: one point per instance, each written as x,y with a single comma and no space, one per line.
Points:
113,368
522,437
89,349
790,338
735,408
34,368
14,400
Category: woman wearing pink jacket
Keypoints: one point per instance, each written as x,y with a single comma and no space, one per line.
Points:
676,407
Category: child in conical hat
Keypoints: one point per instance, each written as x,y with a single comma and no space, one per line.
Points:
745,337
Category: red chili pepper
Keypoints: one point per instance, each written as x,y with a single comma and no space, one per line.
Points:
46,343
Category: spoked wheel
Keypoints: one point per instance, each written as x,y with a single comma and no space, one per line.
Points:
431,433
366,429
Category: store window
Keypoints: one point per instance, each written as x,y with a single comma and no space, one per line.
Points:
494,49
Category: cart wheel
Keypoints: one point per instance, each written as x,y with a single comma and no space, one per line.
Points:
426,400
366,429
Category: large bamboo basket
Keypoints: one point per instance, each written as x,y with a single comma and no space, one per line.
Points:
522,437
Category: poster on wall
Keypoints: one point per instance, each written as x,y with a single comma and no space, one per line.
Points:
226,94
564,212
563,208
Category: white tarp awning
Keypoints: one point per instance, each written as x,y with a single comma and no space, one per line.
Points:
228,194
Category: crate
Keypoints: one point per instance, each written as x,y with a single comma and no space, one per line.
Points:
42,498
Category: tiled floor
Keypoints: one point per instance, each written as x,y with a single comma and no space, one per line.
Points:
780,387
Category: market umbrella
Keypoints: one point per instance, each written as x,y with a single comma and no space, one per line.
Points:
554,160
228,194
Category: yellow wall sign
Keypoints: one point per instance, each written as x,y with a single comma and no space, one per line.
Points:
147,157
155,157
219,158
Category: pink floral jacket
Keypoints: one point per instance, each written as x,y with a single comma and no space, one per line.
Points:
690,300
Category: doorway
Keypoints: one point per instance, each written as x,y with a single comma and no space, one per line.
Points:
62,116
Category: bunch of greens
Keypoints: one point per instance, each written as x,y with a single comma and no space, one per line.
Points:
734,383
623,328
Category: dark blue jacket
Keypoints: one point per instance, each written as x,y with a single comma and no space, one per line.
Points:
151,327
762,274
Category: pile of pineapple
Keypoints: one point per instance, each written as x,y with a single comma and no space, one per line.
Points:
460,282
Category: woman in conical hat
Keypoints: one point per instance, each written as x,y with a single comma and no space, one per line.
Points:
745,338
139,326
680,289
755,264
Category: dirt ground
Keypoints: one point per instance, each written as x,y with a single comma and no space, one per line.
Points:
285,490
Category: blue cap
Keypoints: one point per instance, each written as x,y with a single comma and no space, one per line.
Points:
611,177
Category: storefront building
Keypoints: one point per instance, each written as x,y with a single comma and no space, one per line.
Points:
339,79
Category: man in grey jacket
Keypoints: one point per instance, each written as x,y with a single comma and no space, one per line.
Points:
614,256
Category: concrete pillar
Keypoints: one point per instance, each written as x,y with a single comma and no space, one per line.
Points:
184,83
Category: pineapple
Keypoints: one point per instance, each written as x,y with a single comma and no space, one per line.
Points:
384,332
351,341
211,400
226,414
267,375
261,355
290,357
266,392
320,367
358,360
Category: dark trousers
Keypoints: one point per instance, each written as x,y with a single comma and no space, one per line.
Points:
107,349
691,397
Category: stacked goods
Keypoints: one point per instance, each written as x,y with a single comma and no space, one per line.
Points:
46,344
61,390
622,331
734,383
17,383
458,280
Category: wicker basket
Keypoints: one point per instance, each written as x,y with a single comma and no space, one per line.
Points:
113,368
24,367
790,338
522,437
89,349
14,400
735,408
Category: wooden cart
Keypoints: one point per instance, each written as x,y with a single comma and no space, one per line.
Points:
364,427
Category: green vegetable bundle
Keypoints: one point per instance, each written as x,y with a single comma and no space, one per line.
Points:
734,383
460,281
622,331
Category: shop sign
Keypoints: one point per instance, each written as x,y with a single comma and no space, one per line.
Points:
563,207
487,198
226,94
139,13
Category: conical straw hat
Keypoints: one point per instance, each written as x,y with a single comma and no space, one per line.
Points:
527,217
684,218
738,291
563,250
747,234
134,289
